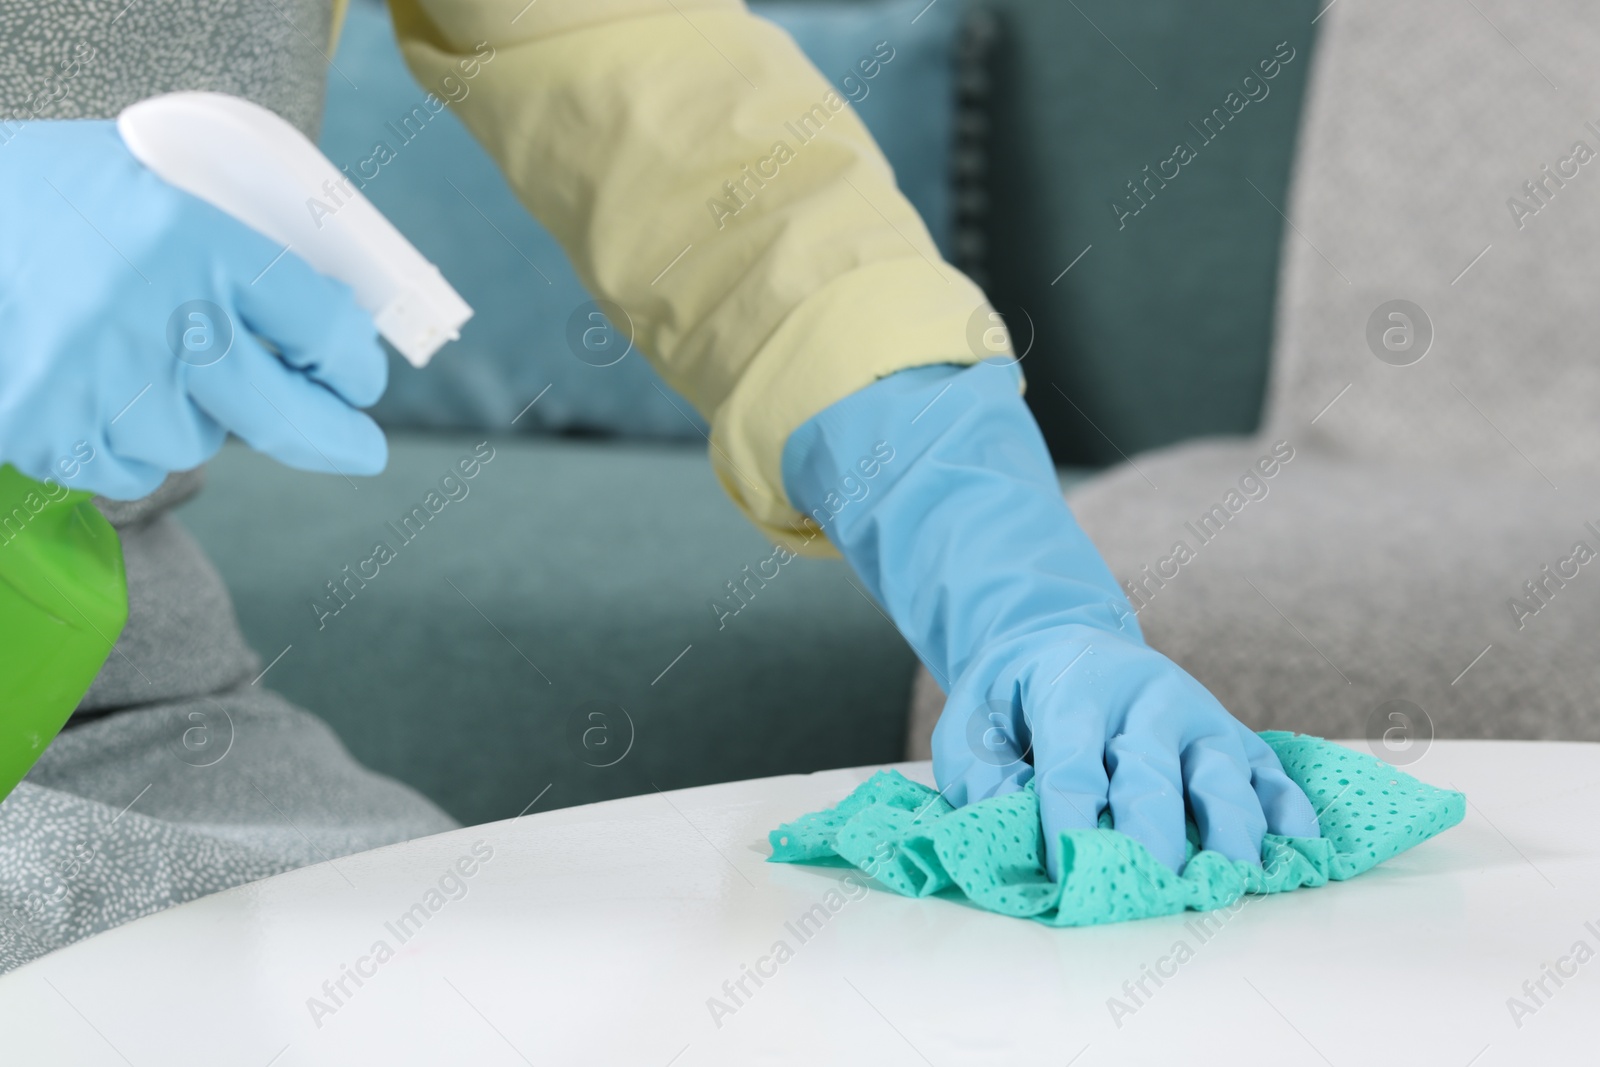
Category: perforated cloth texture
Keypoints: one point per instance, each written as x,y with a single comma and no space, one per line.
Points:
991,853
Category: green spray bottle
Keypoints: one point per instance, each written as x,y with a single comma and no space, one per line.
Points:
63,601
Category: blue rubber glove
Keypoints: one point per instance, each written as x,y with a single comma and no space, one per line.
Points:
964,538
140,325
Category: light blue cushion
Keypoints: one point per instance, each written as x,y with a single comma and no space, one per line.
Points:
441,189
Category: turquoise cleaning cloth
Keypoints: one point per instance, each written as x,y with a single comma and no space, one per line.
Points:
907,838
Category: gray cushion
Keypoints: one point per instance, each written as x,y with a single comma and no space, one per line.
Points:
1409,159
1351,585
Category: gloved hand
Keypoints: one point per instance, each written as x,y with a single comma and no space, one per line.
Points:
146,324
964,538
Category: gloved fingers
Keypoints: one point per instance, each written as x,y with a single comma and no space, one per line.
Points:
1216,779
116,478
313,322
963,785
126,481
1146,790
161,428
979,754
281,412
63,441
1289,812
1069,775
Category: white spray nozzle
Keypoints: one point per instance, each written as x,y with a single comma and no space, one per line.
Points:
245,160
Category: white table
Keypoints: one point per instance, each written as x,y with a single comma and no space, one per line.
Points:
596,935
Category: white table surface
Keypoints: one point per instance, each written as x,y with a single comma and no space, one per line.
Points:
596,935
